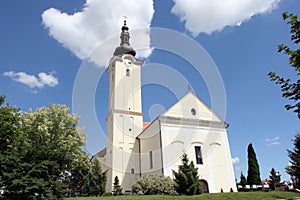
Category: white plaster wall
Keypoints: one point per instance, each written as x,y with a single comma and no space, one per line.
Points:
215,153
150,141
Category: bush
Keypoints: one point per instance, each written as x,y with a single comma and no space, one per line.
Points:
154,184
107,194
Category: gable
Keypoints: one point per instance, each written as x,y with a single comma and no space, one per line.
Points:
191,107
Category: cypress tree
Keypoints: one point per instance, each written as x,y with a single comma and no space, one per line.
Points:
253,177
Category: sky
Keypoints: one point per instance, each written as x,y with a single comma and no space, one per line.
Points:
50,54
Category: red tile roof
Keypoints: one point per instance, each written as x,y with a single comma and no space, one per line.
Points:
102,153
145,124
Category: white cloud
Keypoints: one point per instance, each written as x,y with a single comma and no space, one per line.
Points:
100,20
32,81
209,16
235,160
273,141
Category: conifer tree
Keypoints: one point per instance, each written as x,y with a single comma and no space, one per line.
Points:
187,179
253,177
243,181
294,169
95,180
117,189
275,178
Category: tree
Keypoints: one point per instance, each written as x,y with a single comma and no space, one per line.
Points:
117,189
243,181
187,179
43,148
9,127
95,180
274,178
290,89
253,177
294,155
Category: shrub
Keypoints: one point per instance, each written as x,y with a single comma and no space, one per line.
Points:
154,184
107,194
117,189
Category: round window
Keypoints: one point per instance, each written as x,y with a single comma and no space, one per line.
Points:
193,111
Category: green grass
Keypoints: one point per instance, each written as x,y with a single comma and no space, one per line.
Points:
220,196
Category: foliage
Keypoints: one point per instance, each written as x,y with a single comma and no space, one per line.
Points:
294,169
117,189
2,99
220,196
253,177
186,179
9,128
95,180
39,152
274,178
243,180
290,89
154,184
107,194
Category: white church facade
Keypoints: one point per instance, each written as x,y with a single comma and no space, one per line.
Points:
135,148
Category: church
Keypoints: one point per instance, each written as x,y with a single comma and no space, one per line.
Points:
136,148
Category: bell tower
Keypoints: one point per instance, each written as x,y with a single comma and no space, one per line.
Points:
125,117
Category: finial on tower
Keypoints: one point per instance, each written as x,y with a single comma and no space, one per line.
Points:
124,47
124,27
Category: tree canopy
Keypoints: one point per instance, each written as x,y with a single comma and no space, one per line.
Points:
291,89
40,152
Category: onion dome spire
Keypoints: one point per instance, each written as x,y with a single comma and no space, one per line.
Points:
124,47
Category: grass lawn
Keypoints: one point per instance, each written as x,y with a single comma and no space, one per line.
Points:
220,196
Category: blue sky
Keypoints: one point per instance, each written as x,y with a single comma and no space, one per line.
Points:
42,50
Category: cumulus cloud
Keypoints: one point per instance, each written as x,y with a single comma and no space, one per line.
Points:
209,16
273,141
99,21
43,79
235,160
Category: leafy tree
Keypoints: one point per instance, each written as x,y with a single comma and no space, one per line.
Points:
43,148
117,189
95,180
290,89
294,169
243,181
274,178
253,177
9,127
154,184
187,179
